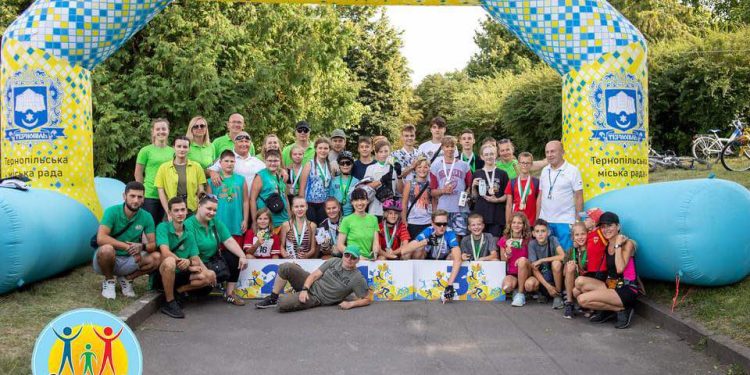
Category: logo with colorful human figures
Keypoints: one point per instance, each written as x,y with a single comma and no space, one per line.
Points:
87,342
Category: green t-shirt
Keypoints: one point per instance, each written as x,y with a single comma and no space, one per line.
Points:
337,283
152,157
360,231
508,167
165,235
203,155
224,143
286,154
229,210
114,218
204,237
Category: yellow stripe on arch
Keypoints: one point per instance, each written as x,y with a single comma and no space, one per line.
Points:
361,2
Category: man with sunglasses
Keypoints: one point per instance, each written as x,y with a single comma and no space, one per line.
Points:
245,164
235,125
330,284
302,139
438,242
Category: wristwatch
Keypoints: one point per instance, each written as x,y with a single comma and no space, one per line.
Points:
305,289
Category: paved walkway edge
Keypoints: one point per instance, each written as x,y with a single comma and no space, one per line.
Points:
719,346
723,348
137,312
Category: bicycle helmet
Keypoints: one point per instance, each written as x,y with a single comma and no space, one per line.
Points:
345,155
392,204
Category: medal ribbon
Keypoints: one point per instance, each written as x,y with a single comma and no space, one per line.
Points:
477,249
526,189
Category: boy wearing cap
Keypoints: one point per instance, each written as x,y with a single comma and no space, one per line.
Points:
302,139
330,284
344,184
338,145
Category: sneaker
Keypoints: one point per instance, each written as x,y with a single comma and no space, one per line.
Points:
267,303
108,289
602,316
519,299
557,303
126,286
233,299
568,312
623,318
172,308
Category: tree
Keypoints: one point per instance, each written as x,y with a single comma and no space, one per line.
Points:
660,20
499,51
376,61
435,96
275,64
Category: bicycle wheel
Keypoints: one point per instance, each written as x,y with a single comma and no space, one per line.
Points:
735,156
706,148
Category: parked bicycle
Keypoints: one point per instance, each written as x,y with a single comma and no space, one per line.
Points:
708,146
735,156
669,160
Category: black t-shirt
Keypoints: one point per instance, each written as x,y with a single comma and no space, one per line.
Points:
359,169
493,213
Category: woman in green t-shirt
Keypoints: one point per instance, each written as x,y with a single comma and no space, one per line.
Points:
209,234
201,149
360,228
150,158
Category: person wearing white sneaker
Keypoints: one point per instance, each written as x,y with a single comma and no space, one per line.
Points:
514,251
120,249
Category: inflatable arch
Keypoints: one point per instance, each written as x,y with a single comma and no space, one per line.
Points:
49,51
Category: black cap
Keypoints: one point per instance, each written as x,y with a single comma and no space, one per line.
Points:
345,155
609,218
302,125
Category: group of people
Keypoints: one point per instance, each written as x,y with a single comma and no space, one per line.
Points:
198,210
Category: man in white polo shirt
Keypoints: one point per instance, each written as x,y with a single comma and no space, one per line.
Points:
560,194
245,164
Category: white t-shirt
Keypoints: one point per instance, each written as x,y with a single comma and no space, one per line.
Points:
246,167
558,206
428,149
377,171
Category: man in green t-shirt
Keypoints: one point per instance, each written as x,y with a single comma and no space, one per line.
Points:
121,251
507,161
235,125
330,284
181,268
302,139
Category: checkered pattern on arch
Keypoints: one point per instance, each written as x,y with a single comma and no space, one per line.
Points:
565,33
83,32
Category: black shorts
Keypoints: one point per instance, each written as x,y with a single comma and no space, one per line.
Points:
601,276
416,229
628,295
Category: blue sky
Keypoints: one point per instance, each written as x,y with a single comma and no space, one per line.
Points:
437,39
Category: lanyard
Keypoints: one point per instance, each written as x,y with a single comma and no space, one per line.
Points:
552,183
490,178
299,237
436,251
471,160
525,193
389,239
333,229
344,189
477,249
323,172
448,173
295,176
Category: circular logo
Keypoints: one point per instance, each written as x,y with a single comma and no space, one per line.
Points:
87,341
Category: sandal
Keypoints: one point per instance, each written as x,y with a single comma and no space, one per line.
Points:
234,300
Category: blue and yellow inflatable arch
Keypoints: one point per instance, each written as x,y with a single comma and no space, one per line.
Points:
46,121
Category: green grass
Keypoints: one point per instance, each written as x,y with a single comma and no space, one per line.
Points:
722,309
23,314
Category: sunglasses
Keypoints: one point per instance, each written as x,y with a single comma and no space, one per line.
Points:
352,257
209,197
303,130
441,224
200,126
242,138
345,163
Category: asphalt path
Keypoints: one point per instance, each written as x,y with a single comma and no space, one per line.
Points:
408,338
